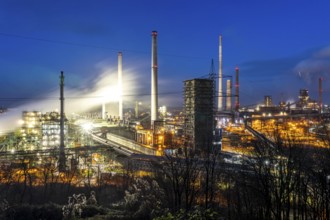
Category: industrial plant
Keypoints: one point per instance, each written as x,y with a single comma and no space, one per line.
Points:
212,140
209,109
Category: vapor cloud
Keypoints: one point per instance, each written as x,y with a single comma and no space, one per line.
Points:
103,88
318,65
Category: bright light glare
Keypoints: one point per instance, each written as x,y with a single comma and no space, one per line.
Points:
87,126
109,94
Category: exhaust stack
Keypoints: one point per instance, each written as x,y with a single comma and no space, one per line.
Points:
62,160
320,96
237,90
120,84
220,97
103,110
228,101
154,79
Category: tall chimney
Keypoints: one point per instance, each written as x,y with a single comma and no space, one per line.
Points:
228,101
136,109
220,97
154,79
320,95
103,109
237,90
120,84
61,162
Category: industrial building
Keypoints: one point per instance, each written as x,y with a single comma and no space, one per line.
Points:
31,129
50,128
199,113
268,101
305,102
45,127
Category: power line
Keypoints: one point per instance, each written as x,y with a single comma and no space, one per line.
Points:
115,50
81,97
58,42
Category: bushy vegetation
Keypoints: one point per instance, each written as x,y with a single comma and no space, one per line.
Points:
32,212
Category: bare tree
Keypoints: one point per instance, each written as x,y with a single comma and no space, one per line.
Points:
209,175
182,172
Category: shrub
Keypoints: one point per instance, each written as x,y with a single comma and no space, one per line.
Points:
92,210
30,212
75,205
22,212
48,211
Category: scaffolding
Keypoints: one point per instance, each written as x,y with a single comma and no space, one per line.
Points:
199,113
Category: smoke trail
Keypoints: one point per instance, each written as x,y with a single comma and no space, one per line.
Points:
318,65
89,96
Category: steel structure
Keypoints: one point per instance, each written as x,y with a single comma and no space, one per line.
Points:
62,160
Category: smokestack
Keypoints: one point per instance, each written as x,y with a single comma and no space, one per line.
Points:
320,96
154,79
237,90
220,98
136,109
120,84
103,110
61,161
228,101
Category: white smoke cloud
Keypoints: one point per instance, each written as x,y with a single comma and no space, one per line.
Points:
92,94
323,53
318,65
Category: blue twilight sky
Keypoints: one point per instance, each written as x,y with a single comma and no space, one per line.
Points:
280,46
